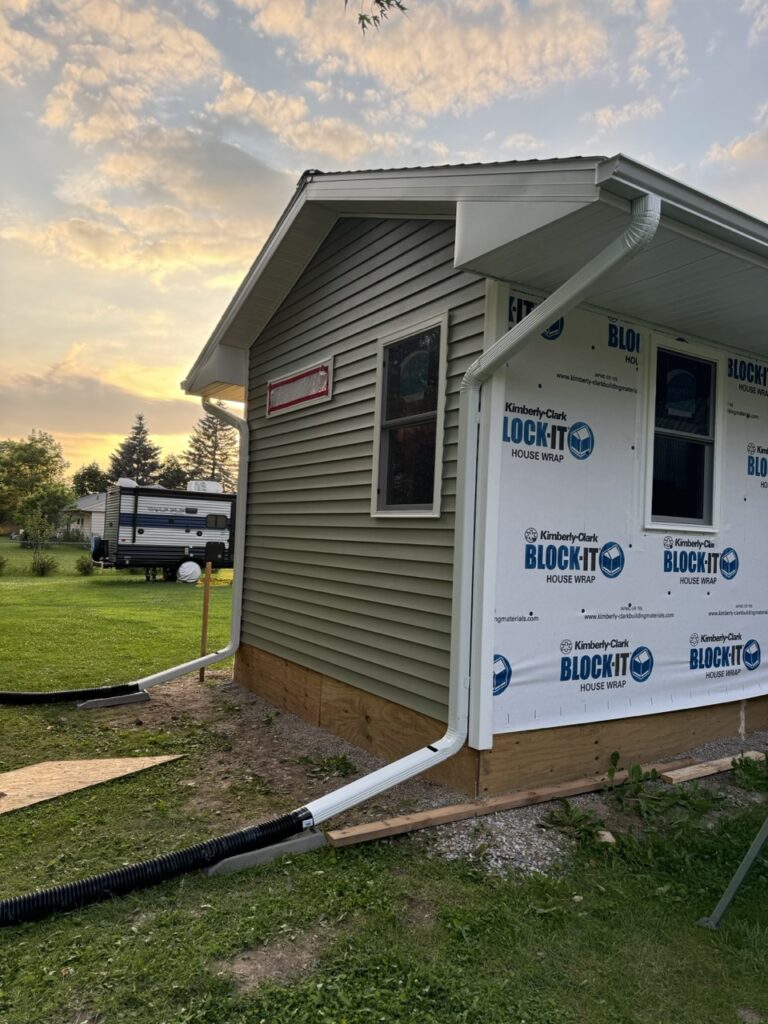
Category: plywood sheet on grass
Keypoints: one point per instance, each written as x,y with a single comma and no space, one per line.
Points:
49,779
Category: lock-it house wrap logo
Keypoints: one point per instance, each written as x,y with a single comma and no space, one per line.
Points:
697,561
502,674
571,557
543,435
604,664
720,655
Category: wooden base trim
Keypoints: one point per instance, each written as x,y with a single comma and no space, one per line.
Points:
521,760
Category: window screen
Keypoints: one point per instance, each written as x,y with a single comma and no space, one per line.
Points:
411,374
684,439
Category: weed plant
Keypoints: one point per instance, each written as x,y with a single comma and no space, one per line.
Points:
751,774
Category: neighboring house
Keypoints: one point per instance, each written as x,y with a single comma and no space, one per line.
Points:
87,514
617,531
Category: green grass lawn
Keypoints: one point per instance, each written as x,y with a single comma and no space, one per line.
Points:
65,631
400,936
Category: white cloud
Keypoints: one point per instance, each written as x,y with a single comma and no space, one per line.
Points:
758,11
640,110
117,60
522,142
749,148
271,109
21,52
168,203
447,56
659,42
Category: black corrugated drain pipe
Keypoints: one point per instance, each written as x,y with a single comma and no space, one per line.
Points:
72,895
60,696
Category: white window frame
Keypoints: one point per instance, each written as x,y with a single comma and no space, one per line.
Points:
303,403
408,331
695,350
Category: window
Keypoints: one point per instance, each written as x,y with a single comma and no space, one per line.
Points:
214,522
683,439
409,433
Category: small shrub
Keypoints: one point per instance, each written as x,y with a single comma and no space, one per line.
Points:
44,565
3,564
84,566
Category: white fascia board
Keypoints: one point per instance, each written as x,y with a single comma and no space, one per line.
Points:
684,205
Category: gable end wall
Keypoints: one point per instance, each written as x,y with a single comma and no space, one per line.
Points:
365,601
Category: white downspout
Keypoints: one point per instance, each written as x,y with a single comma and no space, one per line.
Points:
238,561
646,213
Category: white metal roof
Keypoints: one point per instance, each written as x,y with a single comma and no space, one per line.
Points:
533,223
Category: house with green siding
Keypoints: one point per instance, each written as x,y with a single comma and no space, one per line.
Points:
615,526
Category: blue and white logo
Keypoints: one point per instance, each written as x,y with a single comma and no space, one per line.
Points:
729,563
581,441
611,560
641,664
751,655
502,674
554,330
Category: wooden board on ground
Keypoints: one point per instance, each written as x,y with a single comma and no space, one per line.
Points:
703,768
371,830
49,779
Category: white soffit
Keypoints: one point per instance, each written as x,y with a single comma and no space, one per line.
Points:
687,280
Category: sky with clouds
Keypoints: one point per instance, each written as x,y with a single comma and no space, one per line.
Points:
150,147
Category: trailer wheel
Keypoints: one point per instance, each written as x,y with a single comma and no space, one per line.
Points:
188,572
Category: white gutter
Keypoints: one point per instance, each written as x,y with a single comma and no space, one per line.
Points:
238,562
646,214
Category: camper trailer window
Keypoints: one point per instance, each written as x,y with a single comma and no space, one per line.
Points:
408,425
214,522
684,439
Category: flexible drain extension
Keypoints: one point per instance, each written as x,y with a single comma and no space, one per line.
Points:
59,696
34,905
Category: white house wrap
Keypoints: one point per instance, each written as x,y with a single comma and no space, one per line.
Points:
601,613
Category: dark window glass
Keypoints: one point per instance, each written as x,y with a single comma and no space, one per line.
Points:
411,464
679,475
683,394
409,421
214,522
412,371
683,452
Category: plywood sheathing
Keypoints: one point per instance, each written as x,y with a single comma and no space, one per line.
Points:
49,779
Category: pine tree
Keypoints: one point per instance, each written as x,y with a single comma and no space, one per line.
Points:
172,474
136,458
212,452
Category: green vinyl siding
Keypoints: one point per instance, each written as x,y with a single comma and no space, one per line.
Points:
364,600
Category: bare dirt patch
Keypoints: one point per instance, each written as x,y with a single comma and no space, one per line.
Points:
268,762
282,961
747,1016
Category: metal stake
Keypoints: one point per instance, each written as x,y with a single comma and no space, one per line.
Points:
733,886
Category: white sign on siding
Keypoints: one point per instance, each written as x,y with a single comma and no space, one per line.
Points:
308,386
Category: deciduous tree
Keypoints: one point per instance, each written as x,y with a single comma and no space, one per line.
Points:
90,479
31,475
